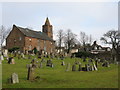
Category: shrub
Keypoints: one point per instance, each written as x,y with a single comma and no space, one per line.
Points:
83,54
13,49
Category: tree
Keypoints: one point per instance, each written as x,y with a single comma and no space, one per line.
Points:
60,36
3,34
83,38
111,38
69,40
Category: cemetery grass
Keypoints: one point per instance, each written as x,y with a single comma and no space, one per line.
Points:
57,77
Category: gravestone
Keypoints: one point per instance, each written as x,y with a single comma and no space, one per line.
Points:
14,78
80,68
52,65
74,67
68,67
33,63
30,75
0,61
1,57
63,63
94,66
23,56
28,65
40,65
106,64
49,62
5,53
11,60
96,63
87,67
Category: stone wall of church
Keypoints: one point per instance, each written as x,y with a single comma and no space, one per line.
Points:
15,39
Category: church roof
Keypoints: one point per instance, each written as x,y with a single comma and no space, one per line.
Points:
47,21
34,34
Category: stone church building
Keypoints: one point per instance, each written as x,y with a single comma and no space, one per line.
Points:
27,39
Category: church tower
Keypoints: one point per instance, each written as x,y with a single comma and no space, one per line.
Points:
47,28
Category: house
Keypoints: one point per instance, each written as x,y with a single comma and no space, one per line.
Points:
27,39
95,48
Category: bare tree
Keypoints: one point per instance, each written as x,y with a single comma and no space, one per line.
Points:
69,40
83,38
111,38
3,34
60,36
90,39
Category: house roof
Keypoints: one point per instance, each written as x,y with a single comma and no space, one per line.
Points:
34,34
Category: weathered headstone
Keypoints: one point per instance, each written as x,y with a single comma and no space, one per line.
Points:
80,68
63,63
30,75
68,67
1,57
5,53
74,67
11,60
94,66
28,65
40,65
14,78
0,61
49,62
96,63
87,67
106,64
23,56
34,65
52,65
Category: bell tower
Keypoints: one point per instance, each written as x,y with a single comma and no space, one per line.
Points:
47,28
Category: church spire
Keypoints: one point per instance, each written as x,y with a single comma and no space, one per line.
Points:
47,21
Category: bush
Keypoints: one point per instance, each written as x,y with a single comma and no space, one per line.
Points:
13,49
35,50
83,54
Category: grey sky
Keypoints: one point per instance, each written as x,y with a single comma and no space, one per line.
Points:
93,18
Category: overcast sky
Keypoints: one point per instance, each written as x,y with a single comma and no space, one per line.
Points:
94,18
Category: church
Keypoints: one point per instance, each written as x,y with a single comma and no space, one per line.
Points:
26,39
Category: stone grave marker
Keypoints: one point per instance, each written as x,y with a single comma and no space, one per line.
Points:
49,62
94,66
80,68
5,53
14,78
41,65
30,75
34,65
28,65
0,61
63,63
68,67
1,57
105,64
11,60
74,67
87,66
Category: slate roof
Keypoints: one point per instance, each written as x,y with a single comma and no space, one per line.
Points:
34,34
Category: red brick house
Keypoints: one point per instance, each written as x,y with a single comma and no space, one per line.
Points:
27,39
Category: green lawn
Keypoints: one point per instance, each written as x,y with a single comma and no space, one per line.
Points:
56,77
